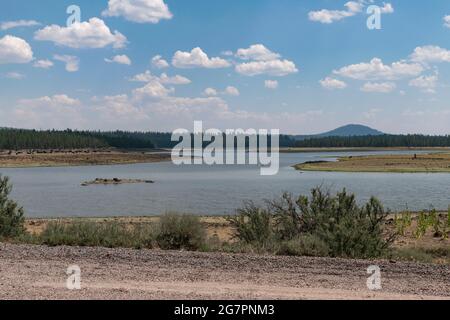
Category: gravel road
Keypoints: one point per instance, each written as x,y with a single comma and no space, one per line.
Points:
38,272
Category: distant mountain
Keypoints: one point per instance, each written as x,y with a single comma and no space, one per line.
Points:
350,130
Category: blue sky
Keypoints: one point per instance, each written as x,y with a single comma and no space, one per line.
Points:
298,66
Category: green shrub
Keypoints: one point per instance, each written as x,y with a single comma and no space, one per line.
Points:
403,222
342,228
11,215
253,225
180,232
84,233
423,223
305,245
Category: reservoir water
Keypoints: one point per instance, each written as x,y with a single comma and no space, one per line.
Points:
209,190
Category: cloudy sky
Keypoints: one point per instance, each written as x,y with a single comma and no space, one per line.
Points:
301,66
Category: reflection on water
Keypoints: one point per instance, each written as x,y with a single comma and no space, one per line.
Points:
208,190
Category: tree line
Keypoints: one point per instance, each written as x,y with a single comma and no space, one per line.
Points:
381,141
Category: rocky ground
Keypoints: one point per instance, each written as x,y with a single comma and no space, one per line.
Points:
38,272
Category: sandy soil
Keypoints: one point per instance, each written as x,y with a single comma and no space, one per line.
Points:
384,163
77,158
37,272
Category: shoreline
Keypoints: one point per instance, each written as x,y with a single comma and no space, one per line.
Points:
417,163
78,158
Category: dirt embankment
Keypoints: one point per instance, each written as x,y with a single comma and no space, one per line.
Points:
37,272
77,158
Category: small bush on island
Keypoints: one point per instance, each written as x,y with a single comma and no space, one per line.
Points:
11,215
322,224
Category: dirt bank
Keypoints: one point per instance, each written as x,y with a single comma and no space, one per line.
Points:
37,272
77,158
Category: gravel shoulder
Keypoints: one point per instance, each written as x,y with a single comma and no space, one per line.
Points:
38,272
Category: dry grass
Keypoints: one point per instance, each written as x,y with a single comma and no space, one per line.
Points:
423,163
76,158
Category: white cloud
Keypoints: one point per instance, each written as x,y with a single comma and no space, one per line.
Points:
232,91
14,50
147,76
277,68
140,11
72,62
447,21
330,16
426,83
120,59
57,111
257,52
384,87
15,75
387,8
19,23
153,89
88,34
159,62
428,54
377,70
197,59
352,8
43,64
331,83
271,84
210,92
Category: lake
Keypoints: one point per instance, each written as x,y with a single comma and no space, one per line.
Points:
209,190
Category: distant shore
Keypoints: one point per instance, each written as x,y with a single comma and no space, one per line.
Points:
363,149
85,157
417,163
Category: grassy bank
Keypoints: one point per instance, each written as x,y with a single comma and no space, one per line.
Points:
421,163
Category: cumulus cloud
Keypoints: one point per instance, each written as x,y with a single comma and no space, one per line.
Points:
331,83
426,83
14,50
263,61
88,34
58,111
210,92
120,59
72,62
383,87
447,21
159,62
271,84
352,8
197,59
277,68
257,52
140,11
43,64
153,89
232,91
429,54
147,76
329,16
18,23
377,70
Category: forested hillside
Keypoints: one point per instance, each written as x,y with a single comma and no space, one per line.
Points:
382,141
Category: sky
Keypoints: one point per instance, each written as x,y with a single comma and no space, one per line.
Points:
300,66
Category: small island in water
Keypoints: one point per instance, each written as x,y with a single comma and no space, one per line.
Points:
114,181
